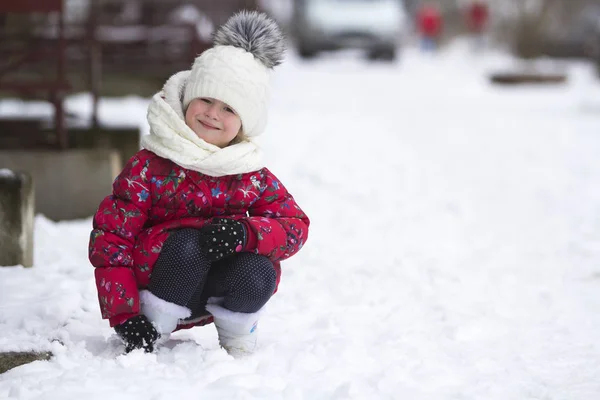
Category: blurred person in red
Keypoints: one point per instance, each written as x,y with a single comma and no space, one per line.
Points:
429,25
477,17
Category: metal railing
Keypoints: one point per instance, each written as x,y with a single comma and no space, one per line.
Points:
42,42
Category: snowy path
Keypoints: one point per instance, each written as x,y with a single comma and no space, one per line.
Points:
453,251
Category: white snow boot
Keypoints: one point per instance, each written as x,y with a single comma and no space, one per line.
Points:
237,331
163,314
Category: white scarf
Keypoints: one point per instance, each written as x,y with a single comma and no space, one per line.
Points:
171,138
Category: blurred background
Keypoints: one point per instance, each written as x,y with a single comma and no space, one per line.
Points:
120,47
53,50
446,152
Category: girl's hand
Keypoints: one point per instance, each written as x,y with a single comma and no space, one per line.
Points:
138,333
222,238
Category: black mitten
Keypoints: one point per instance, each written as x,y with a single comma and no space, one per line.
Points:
138,333
222,238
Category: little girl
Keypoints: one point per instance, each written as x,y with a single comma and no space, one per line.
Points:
196,226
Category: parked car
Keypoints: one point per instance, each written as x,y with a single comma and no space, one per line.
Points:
376,26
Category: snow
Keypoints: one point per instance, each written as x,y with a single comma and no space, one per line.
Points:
128,111
6,173
452,253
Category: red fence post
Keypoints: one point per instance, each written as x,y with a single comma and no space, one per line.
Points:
59,85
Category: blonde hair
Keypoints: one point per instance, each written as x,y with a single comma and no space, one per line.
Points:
239,138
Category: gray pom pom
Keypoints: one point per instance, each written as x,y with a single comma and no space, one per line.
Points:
256,33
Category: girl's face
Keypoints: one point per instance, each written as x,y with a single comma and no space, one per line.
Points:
213,121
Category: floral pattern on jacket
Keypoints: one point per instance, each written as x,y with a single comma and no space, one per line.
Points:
153,196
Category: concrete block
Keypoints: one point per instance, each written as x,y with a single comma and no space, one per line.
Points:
16,218
125,140
69,184
10,360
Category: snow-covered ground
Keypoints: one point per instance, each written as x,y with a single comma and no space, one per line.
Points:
453,251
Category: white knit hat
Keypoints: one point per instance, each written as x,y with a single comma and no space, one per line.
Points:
236,69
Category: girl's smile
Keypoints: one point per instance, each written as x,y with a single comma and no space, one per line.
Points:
207,125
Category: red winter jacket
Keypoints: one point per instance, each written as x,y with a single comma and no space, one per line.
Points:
153,196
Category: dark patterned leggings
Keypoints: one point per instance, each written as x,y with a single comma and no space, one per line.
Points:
182,275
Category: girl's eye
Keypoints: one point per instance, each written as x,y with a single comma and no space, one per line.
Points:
207,101
229,110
